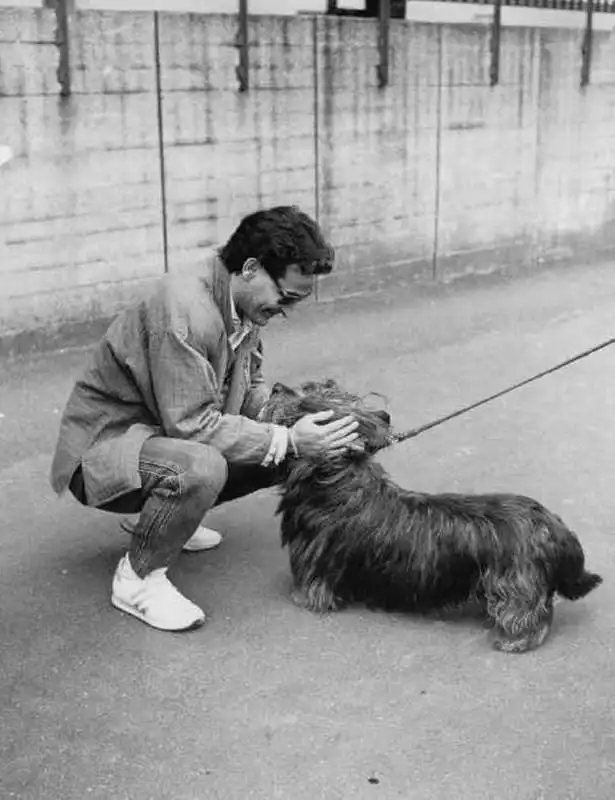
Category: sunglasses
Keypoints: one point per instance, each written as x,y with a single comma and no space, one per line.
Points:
288,297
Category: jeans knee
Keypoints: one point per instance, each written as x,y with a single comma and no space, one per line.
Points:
206,472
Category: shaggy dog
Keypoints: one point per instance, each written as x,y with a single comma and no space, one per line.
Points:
355,536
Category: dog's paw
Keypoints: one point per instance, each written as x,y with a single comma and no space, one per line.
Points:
523,643
506,644
316,598
299,597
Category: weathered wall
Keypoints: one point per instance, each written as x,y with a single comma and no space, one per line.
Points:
488,158
527,167
575,166
80,206
439,171
227,152
377,152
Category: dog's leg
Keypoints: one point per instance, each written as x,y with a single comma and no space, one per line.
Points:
523,630
313,592
521,608
317,596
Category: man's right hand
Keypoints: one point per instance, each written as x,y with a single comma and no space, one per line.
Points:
313,437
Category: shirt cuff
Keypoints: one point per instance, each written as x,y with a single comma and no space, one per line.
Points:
278,446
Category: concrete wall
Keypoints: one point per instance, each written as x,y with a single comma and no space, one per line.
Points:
377,151
436,175
228,152
80,208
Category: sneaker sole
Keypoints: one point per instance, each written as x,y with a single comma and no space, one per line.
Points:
202,548
128,527
127,609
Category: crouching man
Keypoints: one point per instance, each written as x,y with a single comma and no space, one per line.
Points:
164,420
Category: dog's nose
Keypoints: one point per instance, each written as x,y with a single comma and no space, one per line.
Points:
277,388
384,416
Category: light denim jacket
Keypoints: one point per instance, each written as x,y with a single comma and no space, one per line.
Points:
165,367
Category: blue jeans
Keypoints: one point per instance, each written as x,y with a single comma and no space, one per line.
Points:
181,481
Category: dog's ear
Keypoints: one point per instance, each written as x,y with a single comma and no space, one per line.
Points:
282,388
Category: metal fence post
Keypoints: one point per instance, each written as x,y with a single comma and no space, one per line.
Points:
384,27
496,32
161,144
63,9
316,134
587,45
243,69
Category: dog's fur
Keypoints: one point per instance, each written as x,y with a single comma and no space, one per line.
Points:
355,536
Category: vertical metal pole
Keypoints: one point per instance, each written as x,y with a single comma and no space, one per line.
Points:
496,31
63,9
161,154
383,42
243,69
316,132
587,45
436,214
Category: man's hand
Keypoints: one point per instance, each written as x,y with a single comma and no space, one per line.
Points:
312,437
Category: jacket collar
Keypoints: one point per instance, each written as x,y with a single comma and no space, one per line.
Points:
217,279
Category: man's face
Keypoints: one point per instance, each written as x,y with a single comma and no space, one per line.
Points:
259,298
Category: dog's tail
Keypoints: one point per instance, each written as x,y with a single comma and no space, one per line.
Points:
581,585
570,578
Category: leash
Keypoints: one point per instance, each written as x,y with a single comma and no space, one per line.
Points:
396,438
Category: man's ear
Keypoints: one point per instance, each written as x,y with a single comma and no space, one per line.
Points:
249,269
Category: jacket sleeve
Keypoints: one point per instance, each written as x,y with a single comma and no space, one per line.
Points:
189,398
259,390
189,404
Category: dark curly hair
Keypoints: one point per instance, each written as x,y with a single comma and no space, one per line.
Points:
278,237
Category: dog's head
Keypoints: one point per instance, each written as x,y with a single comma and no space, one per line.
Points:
286,406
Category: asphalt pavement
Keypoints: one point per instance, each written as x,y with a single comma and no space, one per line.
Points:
269,701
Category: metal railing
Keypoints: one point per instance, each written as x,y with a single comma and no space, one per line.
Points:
398,7
386,9
599,6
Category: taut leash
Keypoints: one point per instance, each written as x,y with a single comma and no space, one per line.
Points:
396,438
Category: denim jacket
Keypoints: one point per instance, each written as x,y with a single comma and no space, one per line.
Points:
165,367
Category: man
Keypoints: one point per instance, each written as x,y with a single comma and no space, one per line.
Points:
164,420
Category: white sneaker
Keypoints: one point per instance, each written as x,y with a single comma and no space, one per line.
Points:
153,599
203,539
